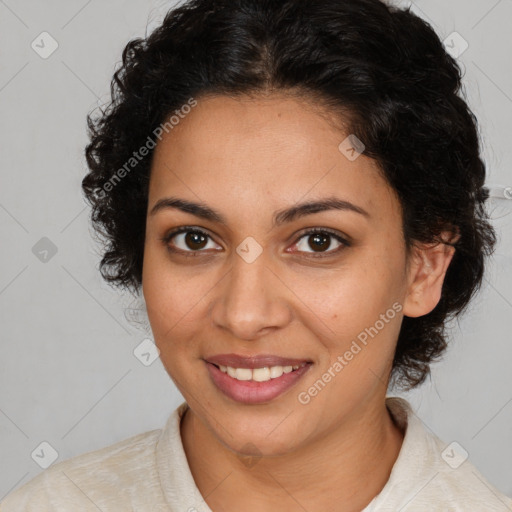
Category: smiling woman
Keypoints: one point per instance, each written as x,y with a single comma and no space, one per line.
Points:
300,236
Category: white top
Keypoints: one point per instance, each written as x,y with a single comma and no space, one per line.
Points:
149,473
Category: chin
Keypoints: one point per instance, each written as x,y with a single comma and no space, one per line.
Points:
258,447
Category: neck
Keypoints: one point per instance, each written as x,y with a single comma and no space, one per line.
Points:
344,469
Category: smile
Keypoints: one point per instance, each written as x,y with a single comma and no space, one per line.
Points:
255,385
263,374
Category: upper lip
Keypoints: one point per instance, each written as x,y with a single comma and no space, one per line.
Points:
255,361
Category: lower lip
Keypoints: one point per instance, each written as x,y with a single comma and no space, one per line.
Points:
252,392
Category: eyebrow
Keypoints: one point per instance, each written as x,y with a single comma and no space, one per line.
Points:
283,216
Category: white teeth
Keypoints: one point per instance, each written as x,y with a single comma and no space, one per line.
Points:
259,374
243,374
276,371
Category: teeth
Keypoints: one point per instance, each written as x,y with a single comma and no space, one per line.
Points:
243,374
259,374
276,371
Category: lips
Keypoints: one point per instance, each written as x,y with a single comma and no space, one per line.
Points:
255,361
250,392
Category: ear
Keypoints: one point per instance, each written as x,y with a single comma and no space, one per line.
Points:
426,272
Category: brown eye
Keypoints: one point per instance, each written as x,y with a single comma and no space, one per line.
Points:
187,240
320,241
195,240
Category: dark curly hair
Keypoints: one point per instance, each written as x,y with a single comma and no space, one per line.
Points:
381,68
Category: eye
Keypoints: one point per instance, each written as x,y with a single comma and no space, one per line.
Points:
187,240
190,241
319,240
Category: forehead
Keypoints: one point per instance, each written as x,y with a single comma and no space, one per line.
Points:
275,148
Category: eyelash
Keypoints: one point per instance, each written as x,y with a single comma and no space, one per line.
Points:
186,229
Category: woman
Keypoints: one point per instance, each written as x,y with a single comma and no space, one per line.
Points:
296,189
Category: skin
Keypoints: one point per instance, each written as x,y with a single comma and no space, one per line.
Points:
248,158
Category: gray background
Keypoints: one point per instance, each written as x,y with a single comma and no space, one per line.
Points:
68,374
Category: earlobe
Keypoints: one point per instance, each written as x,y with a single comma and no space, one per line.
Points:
427,270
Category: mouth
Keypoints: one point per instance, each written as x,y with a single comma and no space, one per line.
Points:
255,380
263,374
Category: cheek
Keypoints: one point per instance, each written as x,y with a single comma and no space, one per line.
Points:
356,318
172,307
176,297
353,296
170,312
162,293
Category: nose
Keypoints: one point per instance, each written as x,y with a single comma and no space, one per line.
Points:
251,300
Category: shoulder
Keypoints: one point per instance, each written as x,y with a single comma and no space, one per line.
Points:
90,480
456,482
433,475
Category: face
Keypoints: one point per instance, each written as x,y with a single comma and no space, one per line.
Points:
242,277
